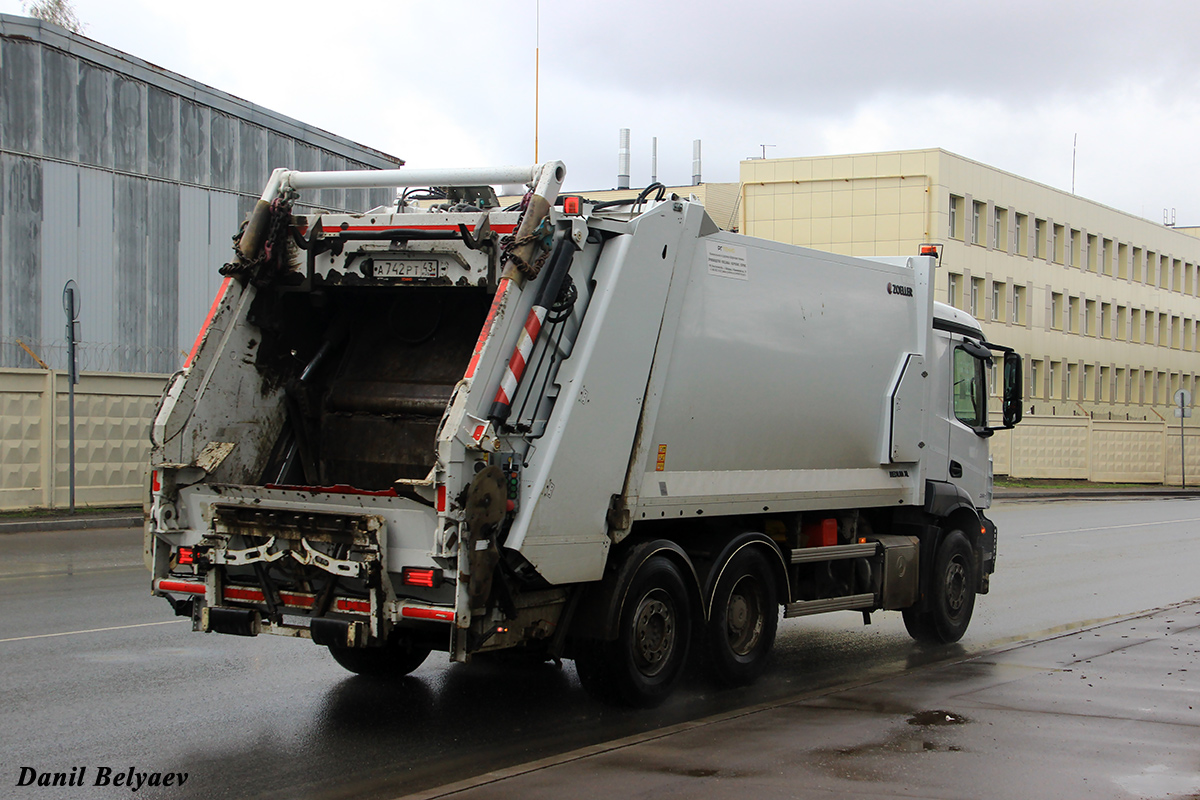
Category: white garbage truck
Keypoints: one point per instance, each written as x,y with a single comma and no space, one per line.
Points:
601,431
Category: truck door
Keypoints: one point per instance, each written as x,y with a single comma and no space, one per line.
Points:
969,467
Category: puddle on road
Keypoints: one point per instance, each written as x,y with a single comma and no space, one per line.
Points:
937,718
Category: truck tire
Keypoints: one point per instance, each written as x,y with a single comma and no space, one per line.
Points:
744,618
645,661
952,589
390,661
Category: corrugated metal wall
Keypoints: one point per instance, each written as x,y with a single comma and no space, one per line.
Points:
130,180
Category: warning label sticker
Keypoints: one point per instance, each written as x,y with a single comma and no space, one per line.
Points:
662,458
727,261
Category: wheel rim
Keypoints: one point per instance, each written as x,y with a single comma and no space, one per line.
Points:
956,585
744,616
654,633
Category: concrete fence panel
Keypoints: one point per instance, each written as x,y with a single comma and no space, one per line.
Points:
1127,452
1051,447
112,441
1192,449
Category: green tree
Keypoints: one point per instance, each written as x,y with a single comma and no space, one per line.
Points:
60,12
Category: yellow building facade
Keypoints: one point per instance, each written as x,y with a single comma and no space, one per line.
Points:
1103,305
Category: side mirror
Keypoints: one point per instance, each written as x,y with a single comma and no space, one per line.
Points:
1014,390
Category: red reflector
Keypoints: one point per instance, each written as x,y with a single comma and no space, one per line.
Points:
346,604
181,586
441,499
419,612
429,577
187,555
571,205
155,482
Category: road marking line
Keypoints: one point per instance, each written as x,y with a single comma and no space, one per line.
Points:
92,630
69,574
1113,527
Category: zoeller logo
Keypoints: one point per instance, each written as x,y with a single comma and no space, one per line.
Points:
903,291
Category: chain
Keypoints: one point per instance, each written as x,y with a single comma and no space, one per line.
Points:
541,235
274,243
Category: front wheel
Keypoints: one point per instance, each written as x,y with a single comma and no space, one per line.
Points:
645,661
952,586
390,661
745,615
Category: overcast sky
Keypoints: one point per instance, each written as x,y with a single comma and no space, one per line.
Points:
452,83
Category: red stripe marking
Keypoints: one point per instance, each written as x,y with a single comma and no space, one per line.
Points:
487,328
340,488
346,604
417,612
181,586
241,593
517,365
212,312
298,600
303,229
533,325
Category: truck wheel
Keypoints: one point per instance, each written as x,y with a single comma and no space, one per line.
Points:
745,615
642,665
953,594
390,661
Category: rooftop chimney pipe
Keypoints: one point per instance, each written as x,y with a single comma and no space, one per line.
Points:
623,161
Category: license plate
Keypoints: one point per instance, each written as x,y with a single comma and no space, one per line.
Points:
421,269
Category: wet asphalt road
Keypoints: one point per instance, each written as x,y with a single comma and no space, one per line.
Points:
95,672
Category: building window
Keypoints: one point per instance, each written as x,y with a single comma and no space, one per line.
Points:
1056,309
1135,265
1073,239
1089,318
999,228
1060,241
1019,229
976,297
1072,314
956,205
1053,378
1135,325
997,300
976,222
1122,323
1035,388
952,290
1122,261
1121,395
1106,320
1018,305
1039,238
1105,385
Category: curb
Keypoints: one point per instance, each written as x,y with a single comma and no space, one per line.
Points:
72,523
1090,494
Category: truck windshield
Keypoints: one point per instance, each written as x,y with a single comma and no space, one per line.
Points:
970,389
